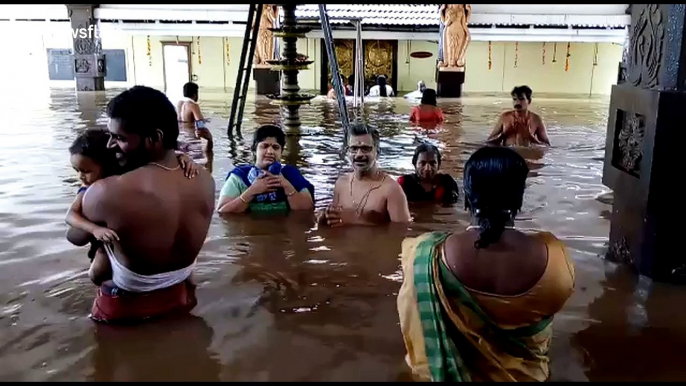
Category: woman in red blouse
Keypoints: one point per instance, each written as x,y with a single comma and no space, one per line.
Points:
427,112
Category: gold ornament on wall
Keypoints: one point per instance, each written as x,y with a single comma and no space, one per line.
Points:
149,52
490,55
516,53
228,55
555,53
567,57
543,57
595,55
197,43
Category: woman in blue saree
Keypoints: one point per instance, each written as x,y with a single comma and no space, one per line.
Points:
266,186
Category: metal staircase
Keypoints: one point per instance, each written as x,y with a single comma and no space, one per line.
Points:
245,68
335,71
240,92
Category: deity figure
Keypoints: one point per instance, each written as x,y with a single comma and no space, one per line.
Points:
264,50
455,35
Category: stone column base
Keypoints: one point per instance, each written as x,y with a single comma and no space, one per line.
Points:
450,83
266,80
645,135
90,84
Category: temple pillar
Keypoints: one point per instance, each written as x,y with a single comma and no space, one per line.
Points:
645,139
267,80
89,62
453,40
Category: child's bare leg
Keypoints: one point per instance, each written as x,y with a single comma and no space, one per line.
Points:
100,270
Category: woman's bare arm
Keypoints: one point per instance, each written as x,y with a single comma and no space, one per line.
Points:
296,200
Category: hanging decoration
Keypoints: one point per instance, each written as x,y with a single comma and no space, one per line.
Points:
543,58
490,55
197,42
555,53
149,53
595,55
516,53
228,56
567,57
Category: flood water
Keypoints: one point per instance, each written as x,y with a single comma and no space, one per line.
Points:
282,300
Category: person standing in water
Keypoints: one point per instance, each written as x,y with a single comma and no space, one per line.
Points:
346,88
427,112
161,216
367,196
426,184
417,94
519,127
478,304
188,111
266,186
382,88
93,161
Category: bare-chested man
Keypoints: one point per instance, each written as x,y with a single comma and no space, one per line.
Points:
519,127
366,196
161,217
189,113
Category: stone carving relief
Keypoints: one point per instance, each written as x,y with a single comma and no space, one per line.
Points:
645,47
101,66
628,145
619,252
82,66
264,49
86,45
455,36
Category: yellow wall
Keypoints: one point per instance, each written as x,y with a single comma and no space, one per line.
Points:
582,78
412,70
215,71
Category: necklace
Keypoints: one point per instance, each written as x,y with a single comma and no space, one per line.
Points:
164,167
359,206
472,227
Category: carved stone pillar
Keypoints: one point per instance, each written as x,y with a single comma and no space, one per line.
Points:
644,153
454,38
89,62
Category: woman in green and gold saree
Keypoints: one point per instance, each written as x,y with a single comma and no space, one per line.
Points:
477,305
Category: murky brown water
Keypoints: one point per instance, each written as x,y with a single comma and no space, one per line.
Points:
279,300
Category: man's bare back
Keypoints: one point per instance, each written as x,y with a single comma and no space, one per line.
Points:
190,116
188,110
161,216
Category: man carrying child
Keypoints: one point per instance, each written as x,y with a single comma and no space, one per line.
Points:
161,217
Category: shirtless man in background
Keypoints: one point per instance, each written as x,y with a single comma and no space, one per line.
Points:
367,196
519,127
162,217
188,111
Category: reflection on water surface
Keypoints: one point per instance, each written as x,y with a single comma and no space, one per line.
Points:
281,300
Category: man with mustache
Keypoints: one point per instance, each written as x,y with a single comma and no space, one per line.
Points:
161,217
367,196
519,127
